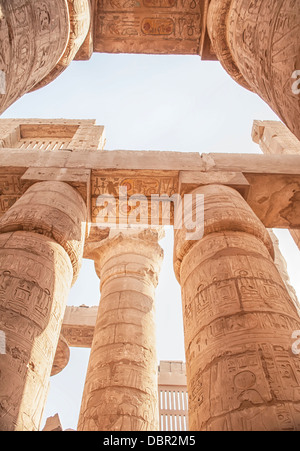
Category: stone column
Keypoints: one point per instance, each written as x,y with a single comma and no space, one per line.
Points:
238,322
120,391
258,43
38,40
281,265
33,37
41,245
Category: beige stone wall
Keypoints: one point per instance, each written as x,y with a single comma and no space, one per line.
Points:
173,397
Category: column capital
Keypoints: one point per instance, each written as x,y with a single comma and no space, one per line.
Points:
53,209
217,24
143,242
80,21
224,209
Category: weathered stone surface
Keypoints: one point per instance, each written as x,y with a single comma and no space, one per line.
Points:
281,265
258,44
79,19
38,150
149,26
33,37
53,209
41,245
79,325
62,356
35,278
275,138
53,424
238,322
120,392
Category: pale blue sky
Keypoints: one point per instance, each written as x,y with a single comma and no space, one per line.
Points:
147,102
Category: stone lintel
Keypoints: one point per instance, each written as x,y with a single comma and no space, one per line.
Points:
79,325
126,160
190,180
151,27
269,183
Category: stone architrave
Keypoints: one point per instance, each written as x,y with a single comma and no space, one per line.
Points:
238,320
41,245
275,138
120,392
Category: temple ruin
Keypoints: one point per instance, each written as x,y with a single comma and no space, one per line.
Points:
256,41
239,310
64,198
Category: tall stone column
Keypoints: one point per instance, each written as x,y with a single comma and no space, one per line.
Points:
120,391
41,245
258,43
38,40
238,322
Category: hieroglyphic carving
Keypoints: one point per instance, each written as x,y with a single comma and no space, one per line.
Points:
41,245
261,38
124,26
35,277
121,386
144,185
238,322
33,36
80,19
10,189
52,215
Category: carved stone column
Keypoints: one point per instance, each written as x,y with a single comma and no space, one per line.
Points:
33,36
121,392
38,40
238,322
258,43
41,245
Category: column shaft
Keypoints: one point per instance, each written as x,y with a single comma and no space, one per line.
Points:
41,245
33,37
121,392
238,321
258,43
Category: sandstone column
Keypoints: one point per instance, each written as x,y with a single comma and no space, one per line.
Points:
238,321
38,40
258,43
121,392
41,245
